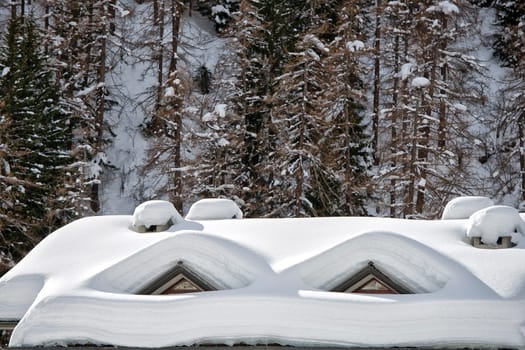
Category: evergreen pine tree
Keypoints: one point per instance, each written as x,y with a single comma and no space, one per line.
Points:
509,44
269,30
510,130
36,133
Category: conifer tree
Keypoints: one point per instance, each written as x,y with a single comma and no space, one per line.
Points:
300,175
217,134
269,30
510,131
346,145
429,82
166,123
509,41
38,139
78,40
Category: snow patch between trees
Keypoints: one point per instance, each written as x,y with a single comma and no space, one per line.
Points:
420,82
446,7
356,45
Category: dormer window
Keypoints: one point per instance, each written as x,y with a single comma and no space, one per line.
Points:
371,280
178,280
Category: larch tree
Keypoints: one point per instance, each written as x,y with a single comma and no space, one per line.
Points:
442,160
216,136
378,38
78,37
429,82
269,30
346,146
302,185
398,28
173,82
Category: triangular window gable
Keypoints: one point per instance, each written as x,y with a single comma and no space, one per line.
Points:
179,285
371,280
178,280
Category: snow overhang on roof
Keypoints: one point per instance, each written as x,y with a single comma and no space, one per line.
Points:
272,281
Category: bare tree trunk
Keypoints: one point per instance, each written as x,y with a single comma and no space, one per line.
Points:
348,168
100,107
423,152
13,9
176,13
409,199
442,101
393,130
87,60
112,9
521,136
422,157
159,11
47,14
377,68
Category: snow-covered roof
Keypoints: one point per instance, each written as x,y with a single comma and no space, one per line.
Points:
273,281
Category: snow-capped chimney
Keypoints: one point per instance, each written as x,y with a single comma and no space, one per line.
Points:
155,216
463,207
495,227
214,209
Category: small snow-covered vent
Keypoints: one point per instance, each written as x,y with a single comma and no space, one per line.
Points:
463,207
214,209
495,227
155,216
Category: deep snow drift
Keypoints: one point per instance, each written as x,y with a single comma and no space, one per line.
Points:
274,278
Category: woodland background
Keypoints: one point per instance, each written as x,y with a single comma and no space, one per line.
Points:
291,108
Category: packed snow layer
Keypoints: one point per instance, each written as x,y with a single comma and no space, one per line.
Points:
78,285
261,318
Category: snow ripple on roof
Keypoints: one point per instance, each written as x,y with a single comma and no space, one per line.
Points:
226,264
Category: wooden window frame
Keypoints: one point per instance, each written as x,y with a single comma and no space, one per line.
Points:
364,276
8,325
172,277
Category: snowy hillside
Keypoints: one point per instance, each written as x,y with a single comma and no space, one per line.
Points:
127,184
291,109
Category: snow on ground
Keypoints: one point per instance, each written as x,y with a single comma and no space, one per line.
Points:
273,276
420,82
125,184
